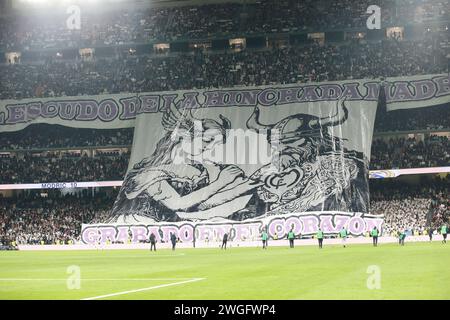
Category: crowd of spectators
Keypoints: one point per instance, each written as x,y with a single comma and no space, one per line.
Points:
287,65
44,136
33,219
403,214
38,168
429,118
440,207
415,207
141,25
401,153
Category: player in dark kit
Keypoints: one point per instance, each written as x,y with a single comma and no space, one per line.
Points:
152,242
224,241
173,239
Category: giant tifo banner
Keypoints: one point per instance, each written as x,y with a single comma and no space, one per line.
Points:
245,160
113,111
417,91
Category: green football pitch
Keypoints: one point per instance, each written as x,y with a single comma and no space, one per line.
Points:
415,271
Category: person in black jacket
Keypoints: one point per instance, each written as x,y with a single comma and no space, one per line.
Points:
152,242
430,234
173,239
224,242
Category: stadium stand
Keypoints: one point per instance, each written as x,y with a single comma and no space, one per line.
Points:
140,25
49,153
293,64
38,168
416,207
433,151
43,136
32,218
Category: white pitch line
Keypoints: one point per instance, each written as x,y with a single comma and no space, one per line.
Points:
152,256
93,279
143,289
157,255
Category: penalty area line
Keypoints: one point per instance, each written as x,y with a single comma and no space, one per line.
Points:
143,289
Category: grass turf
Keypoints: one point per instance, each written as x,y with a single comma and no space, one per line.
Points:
415,271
